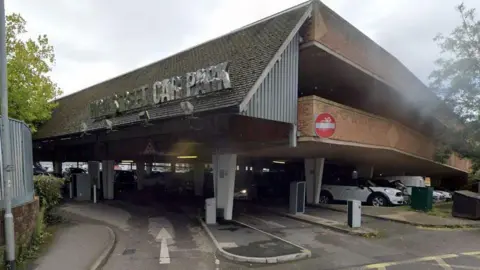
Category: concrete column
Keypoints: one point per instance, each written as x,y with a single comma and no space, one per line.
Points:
365,171
108,175
313,177
215,174
94,175
198,178
225,167
309,177
319,165
148,168
140,173
57,167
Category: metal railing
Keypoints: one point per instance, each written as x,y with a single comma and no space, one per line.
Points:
22,159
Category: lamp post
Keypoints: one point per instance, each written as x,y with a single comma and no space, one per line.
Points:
6,151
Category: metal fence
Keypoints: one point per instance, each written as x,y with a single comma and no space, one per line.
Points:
22,160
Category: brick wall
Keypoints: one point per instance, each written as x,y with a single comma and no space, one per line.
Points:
24,219
335,33
357,126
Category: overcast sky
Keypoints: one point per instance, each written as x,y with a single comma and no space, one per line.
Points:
95,40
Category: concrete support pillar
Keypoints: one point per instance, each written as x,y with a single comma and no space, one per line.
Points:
94,174
57,167
140,164
108,175
365,171
241,181
198,178
313,177
225,166
148,168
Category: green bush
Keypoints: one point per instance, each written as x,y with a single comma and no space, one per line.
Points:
49,190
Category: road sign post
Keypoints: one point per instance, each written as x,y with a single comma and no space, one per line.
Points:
6,153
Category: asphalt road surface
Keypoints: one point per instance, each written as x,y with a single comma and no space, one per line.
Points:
173,225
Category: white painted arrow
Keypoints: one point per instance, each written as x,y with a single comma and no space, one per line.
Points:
162,237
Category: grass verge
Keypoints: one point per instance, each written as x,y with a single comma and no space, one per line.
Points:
443,209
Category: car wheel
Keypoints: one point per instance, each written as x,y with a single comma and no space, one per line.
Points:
378,200
325,198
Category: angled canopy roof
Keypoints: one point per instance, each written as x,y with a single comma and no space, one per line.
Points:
247,50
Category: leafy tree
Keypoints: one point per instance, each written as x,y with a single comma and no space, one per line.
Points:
456,80
29,62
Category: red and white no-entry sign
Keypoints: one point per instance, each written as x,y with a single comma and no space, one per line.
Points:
324,125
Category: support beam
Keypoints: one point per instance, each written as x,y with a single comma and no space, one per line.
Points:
140,164
225,168
319,165
198,178
94,174
57,167
108,175
148,168
313,177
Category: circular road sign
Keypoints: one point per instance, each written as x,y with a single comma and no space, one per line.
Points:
324,125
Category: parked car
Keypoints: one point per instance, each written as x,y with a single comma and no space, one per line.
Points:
418,181
361,189
68,172
397,184
124,181
39,170
241,194
445,193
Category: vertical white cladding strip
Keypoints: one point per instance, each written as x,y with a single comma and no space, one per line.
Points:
225,171
277,97
198,178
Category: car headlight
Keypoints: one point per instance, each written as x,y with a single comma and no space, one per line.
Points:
389,191
243,191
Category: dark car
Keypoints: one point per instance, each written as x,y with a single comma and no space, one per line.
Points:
125,181
39,170
67,174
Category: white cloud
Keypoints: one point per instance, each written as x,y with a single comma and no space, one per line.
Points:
96,40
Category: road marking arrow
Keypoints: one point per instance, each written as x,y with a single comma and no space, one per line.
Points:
162,237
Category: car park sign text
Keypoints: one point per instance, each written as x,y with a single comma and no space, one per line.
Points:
202,81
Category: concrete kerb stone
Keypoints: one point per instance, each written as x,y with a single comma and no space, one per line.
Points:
264,260
363,233
103,258
412,223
